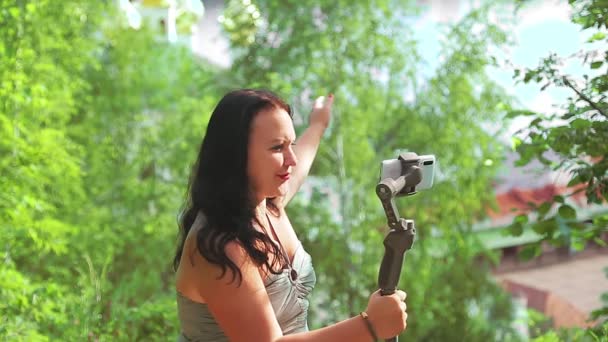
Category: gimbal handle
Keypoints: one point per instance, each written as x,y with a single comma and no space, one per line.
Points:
402,232
396,243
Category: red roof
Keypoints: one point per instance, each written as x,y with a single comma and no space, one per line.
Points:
517,187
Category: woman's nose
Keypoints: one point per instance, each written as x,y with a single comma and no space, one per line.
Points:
290,158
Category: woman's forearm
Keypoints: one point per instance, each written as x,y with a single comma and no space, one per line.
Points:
353,329
305,149
307,145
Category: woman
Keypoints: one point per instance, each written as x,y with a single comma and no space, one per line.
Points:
242,274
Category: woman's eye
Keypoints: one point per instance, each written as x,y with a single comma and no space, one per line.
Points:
281,147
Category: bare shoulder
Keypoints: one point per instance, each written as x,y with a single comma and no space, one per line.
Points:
240,305
197,274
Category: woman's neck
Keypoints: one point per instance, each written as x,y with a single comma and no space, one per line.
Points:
260,210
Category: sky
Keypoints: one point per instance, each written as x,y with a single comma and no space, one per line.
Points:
542,27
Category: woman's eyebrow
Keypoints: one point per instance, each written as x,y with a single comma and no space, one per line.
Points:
281,140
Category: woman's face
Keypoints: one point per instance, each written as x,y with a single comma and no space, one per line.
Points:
270,155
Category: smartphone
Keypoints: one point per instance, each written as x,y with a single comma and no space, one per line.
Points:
391,168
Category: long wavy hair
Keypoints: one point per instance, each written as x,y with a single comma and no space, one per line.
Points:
219,187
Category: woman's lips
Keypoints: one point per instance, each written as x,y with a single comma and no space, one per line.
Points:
284,176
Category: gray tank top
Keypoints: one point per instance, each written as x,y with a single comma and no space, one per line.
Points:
288,298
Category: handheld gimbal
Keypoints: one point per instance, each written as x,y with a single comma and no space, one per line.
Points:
401,231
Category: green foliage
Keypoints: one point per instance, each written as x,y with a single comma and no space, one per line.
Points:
578,135
597,334
540,331
97,121
97,146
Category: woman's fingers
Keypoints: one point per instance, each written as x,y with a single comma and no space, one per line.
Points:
319,102
323,101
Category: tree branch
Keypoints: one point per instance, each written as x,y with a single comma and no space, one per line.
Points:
583,96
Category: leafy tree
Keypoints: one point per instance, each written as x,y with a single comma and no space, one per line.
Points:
97,120
42,182
578,135
100,124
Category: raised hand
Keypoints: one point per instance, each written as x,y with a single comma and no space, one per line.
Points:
321,110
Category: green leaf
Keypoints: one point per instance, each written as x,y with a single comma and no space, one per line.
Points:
14,11
567,212
575,181
600,242
530,251
516,229
521,219
595,314
536,122
544,208
596,65
578,245
580,123
529,75
545,227
515,143
520,112
596,36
